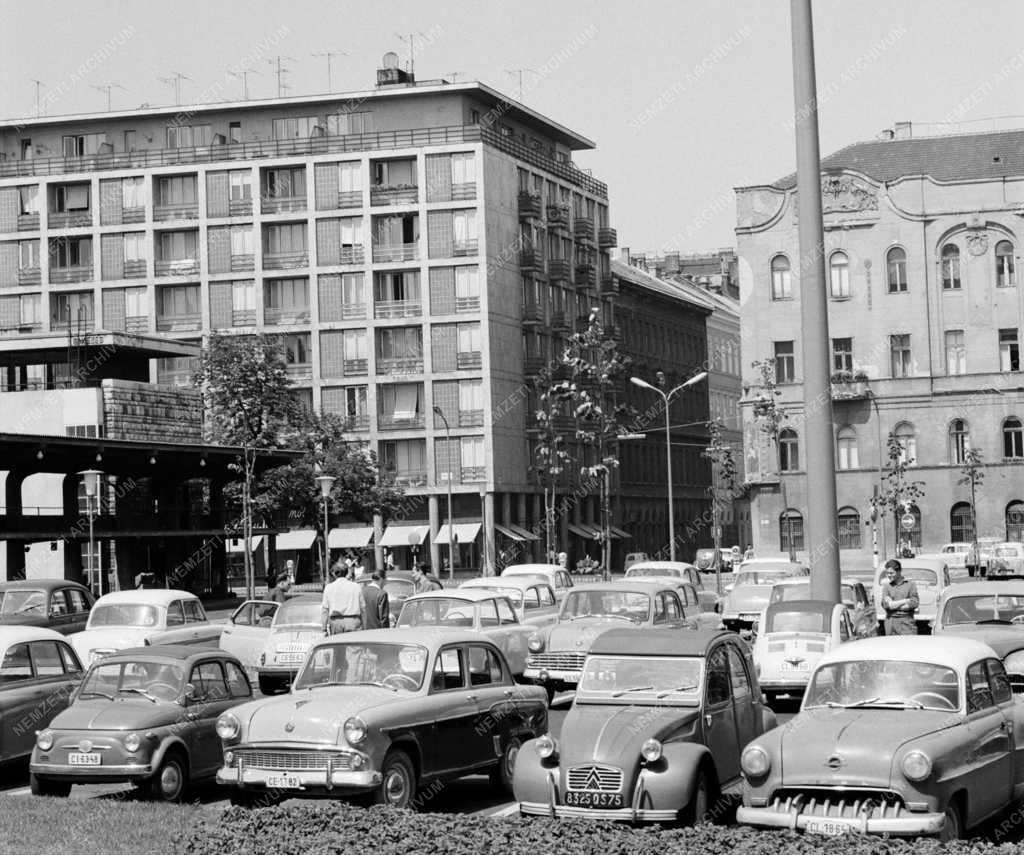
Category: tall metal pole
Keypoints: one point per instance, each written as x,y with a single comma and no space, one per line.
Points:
451,523
823,534
327,548
92,514
668,474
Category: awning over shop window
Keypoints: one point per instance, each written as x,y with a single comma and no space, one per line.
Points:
526,533
404,535
237,544
295,540
585,531
618,532
508,532
350,537
464,533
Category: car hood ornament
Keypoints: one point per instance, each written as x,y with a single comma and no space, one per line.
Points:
289,727
836,761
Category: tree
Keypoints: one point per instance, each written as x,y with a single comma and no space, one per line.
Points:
898,492
723,479
248,403
597,370
973,474
770,417
550,457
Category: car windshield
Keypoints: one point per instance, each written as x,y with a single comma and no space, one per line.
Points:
998,607
514,594
22,602
920,574
123,614
884,683
437,611
640,570
630,605
758,577
158,681
294,612
797,620
400,667
802,591
641,677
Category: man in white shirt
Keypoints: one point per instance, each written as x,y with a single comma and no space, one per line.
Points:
342,605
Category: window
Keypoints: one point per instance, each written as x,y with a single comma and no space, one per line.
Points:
1004,265
30,310
907,438
353,289
847,446
471,396
136,302
473,458
29,200
194,612
468,338
80,145
1013,438
465,235
340,124
234,132
177,300
208,679
785,362
70,197
241,240
979,693
484,667
185,136
848,526
16,664
839,275
1009,350
896,262
401,401
296,348
400,343
956,352
72,252
284,182
789,451
133,192
467,288
791,531
178,246
842,354
350,177
718,677
351,232
28,255
394,173
781,282
959,441
301,127
176,190
355,402
286,296
243,297
129,140
400,286
238,683
240,185
354,346
448,671
899,353
1015,521
961,523
463,168
175,614
950,267
72,308
285,238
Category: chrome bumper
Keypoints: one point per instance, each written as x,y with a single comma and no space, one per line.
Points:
319,779
549,675
907,825
83,773
615,814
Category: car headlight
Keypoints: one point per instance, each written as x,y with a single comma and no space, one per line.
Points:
916,765
755,761
132,742
228,727
651,750
355,730
546,746
535,643
44,740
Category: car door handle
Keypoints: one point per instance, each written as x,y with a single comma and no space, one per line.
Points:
707,720
1007,726
470,697
508,693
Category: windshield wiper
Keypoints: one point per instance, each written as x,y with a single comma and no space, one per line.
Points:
660,695
138,691
634,689
325,683
883,702
994,620
373,683
96,693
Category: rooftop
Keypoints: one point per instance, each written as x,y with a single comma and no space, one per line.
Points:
644,642
674,290
53,348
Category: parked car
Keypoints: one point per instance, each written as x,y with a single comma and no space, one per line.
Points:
532,597
930,576
654,734
709,560
399,586
792,636
897,735
1007,561
145,716
852,593
980,554
957,556
679,570
247,630
296,626
384,712
472,608
557,652
126,619
556,574
39,673
632,558
59,604
751,589
972,606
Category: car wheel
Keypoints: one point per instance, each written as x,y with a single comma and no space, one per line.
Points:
170,781
398,782
44,787
952,830
501,775
698,808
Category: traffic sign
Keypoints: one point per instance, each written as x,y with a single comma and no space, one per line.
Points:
907,521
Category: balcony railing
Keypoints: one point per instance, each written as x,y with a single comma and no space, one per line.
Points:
471,418
398,252
27,222
532,314
850,390
279,204
358,422
76,325
400,365
135,269
295,315
474,473
464,192
299,371
135,214
354,367
465,247
176,212
177,267
353,254
68,219
559,269
136,324
285,260
389,421
407,477
178,323
530,206
465,305
559,321
531,259
29,276
586,275
400,194
243,263
607,237
583,229
397,309
240,207
78,273
353,311
243,318
609,284
558,216
469,359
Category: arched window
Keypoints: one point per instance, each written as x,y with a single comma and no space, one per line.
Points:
839,274
782,288
1015,521
950,267
791,530
789,451
896,261
846,443
959,440
1004,264
849,528
1013,438
906,436
961,523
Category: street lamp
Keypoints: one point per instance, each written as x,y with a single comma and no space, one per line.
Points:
91,481
448,477
325,482
667,396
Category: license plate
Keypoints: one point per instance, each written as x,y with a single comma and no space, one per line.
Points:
798,666
290,658
77,758
833,829
283,782
749,617
291,648
592,799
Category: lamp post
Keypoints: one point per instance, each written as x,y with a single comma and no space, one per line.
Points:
91,481
667,397
325,483
448,477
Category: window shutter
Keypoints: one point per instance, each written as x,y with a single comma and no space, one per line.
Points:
112,258
446,396
218,240
448,460
439,177
332,353
332,401
110,202
325,185
329,289
439,234
442,290
10,312
328,242
443,347
221,308
113,308
218,194
9,262
10,208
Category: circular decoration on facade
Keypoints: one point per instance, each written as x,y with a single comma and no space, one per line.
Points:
977,244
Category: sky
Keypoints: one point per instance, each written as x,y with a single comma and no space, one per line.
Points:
684,100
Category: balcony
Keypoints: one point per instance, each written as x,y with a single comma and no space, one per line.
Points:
559,270
465,247
533,314
353,311
28,222
285,260
138,324
179,323
177,267
464,192
586,275
188,211
354,367
299,372
64,275
558,216
390,421
607,238
471,418
609,284
397,309
29,276
533,365
400,365
531,259
282,204
467,305
135,214
583,229
398,252
240,208
530,206
243,263
474,473
357,422
559,322
135,269
468,360
846,387
77,325
351,255
243,318
400,194
613,332
68,219
407,477
293,315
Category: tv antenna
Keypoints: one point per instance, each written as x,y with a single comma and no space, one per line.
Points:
281,71
175,81
106,87
518,72
39,103
410,39
243,75
454,75
329,54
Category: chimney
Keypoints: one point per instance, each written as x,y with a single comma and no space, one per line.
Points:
886,134
901,130
624,255
390,74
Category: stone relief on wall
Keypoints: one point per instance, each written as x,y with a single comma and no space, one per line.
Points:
846,194
977,243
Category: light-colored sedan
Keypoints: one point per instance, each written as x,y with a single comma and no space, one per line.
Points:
532,597
678,570
980,606
297,626
751,588
556,574
247,631
1007,561
126,619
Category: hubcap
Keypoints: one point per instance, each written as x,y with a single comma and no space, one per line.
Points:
170,780
395,788
510,758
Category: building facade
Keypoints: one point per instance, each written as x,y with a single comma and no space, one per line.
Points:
922,243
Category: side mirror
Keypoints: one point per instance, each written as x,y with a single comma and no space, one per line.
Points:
189,694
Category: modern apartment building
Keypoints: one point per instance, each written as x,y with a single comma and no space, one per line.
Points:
922,240
418,248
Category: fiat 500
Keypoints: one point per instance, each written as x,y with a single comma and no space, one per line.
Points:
296,625
897,735
852,594
145,716
655,733
383,712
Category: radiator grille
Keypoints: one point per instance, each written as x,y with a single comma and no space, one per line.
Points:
604,779
293,761
558,661
835,804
